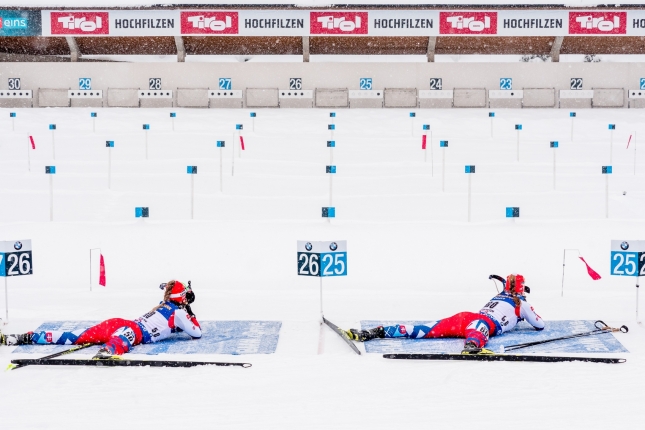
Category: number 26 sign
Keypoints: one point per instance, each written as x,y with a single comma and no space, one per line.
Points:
628,257
327,258
15,258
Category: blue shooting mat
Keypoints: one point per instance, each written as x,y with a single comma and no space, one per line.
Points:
522,333
218,337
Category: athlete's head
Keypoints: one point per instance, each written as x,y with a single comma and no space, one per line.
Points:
175,291
515,285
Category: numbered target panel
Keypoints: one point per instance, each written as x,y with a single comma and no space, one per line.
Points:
295,83
84,83
505,83
628,257
436,84
575,84
16,258
225,83
154,83
13,83
323,259
365,83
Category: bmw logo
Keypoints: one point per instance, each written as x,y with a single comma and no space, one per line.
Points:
17,246
624,246
333,246
308,246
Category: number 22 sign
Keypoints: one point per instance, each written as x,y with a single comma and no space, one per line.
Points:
322,259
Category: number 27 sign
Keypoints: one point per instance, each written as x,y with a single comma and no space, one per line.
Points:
328,258
628,257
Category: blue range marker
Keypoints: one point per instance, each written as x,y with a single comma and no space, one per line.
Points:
607,170
191,170
329,212
141,212
518,126
553,144
331,143
50,170
612,126
443,143
470,169
146,126
239,127
426,126
513,212
93,114
330,169
109,144
252,115
491,114
221,144
52,126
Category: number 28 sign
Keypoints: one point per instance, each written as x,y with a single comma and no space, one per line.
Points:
15,258
628,257
328,258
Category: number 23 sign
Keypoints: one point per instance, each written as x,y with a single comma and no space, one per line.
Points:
15,258
628,257
328,258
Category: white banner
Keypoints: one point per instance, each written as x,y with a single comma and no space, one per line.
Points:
343,22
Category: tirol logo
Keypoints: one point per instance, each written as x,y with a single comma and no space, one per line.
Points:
338,22
204,22
80,23
467,22
598,22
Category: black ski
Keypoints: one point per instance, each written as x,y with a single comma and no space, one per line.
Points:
501,357
342,334
120,363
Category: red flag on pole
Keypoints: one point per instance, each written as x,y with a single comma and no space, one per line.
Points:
242,142
594,275
33,144
630,139
423,142
102,272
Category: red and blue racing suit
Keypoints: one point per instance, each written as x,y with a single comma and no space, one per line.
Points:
119,335
499,315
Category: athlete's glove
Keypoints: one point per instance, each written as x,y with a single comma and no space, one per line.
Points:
189,311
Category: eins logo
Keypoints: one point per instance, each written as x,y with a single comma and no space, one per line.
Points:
468,22
598,22
209,23
338,22
85,23
13,23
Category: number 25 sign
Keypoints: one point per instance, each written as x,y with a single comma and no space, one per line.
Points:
328,258
628,257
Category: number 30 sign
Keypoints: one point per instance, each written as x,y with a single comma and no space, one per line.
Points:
628,257
15,258
322,258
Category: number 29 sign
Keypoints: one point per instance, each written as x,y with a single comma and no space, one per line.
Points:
15,258
328,258
628,257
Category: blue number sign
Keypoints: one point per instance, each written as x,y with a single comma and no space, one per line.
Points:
365,83
85,83
642,84
322,259
505,84
225,83
628,257
15,258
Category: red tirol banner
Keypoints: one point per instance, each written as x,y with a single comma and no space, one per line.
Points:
381,22
102,271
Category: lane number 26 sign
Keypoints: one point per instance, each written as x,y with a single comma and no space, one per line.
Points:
15,258
327,258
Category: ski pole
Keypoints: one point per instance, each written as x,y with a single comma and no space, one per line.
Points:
599,330
58,354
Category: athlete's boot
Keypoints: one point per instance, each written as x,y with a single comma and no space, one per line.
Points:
15,339
472,348
105,354
365,335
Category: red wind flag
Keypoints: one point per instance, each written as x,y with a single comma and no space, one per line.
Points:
102,272
242,142
423,142
594,275
33,144
630,139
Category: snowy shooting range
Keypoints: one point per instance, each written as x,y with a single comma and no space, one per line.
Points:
330,161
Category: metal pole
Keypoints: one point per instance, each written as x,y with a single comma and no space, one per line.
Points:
431,154
192,196
637,288
518,145
572,118
469,176
94,125
606,196
109,168
233,158
29,155
443,170
330,189
173,124
90,269
634,153
51,197
53,145
146,144
491,126
220,170
611,146
321,298
13,124
564,256
425,153
554,169
6,300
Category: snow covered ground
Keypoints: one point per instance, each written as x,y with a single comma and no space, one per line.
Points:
412,255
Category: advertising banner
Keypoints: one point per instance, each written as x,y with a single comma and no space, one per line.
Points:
542,22
20,23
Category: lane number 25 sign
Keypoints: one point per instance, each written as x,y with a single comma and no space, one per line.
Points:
323,259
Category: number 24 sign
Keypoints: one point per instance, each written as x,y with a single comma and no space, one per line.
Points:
628,257
328,258
15,258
